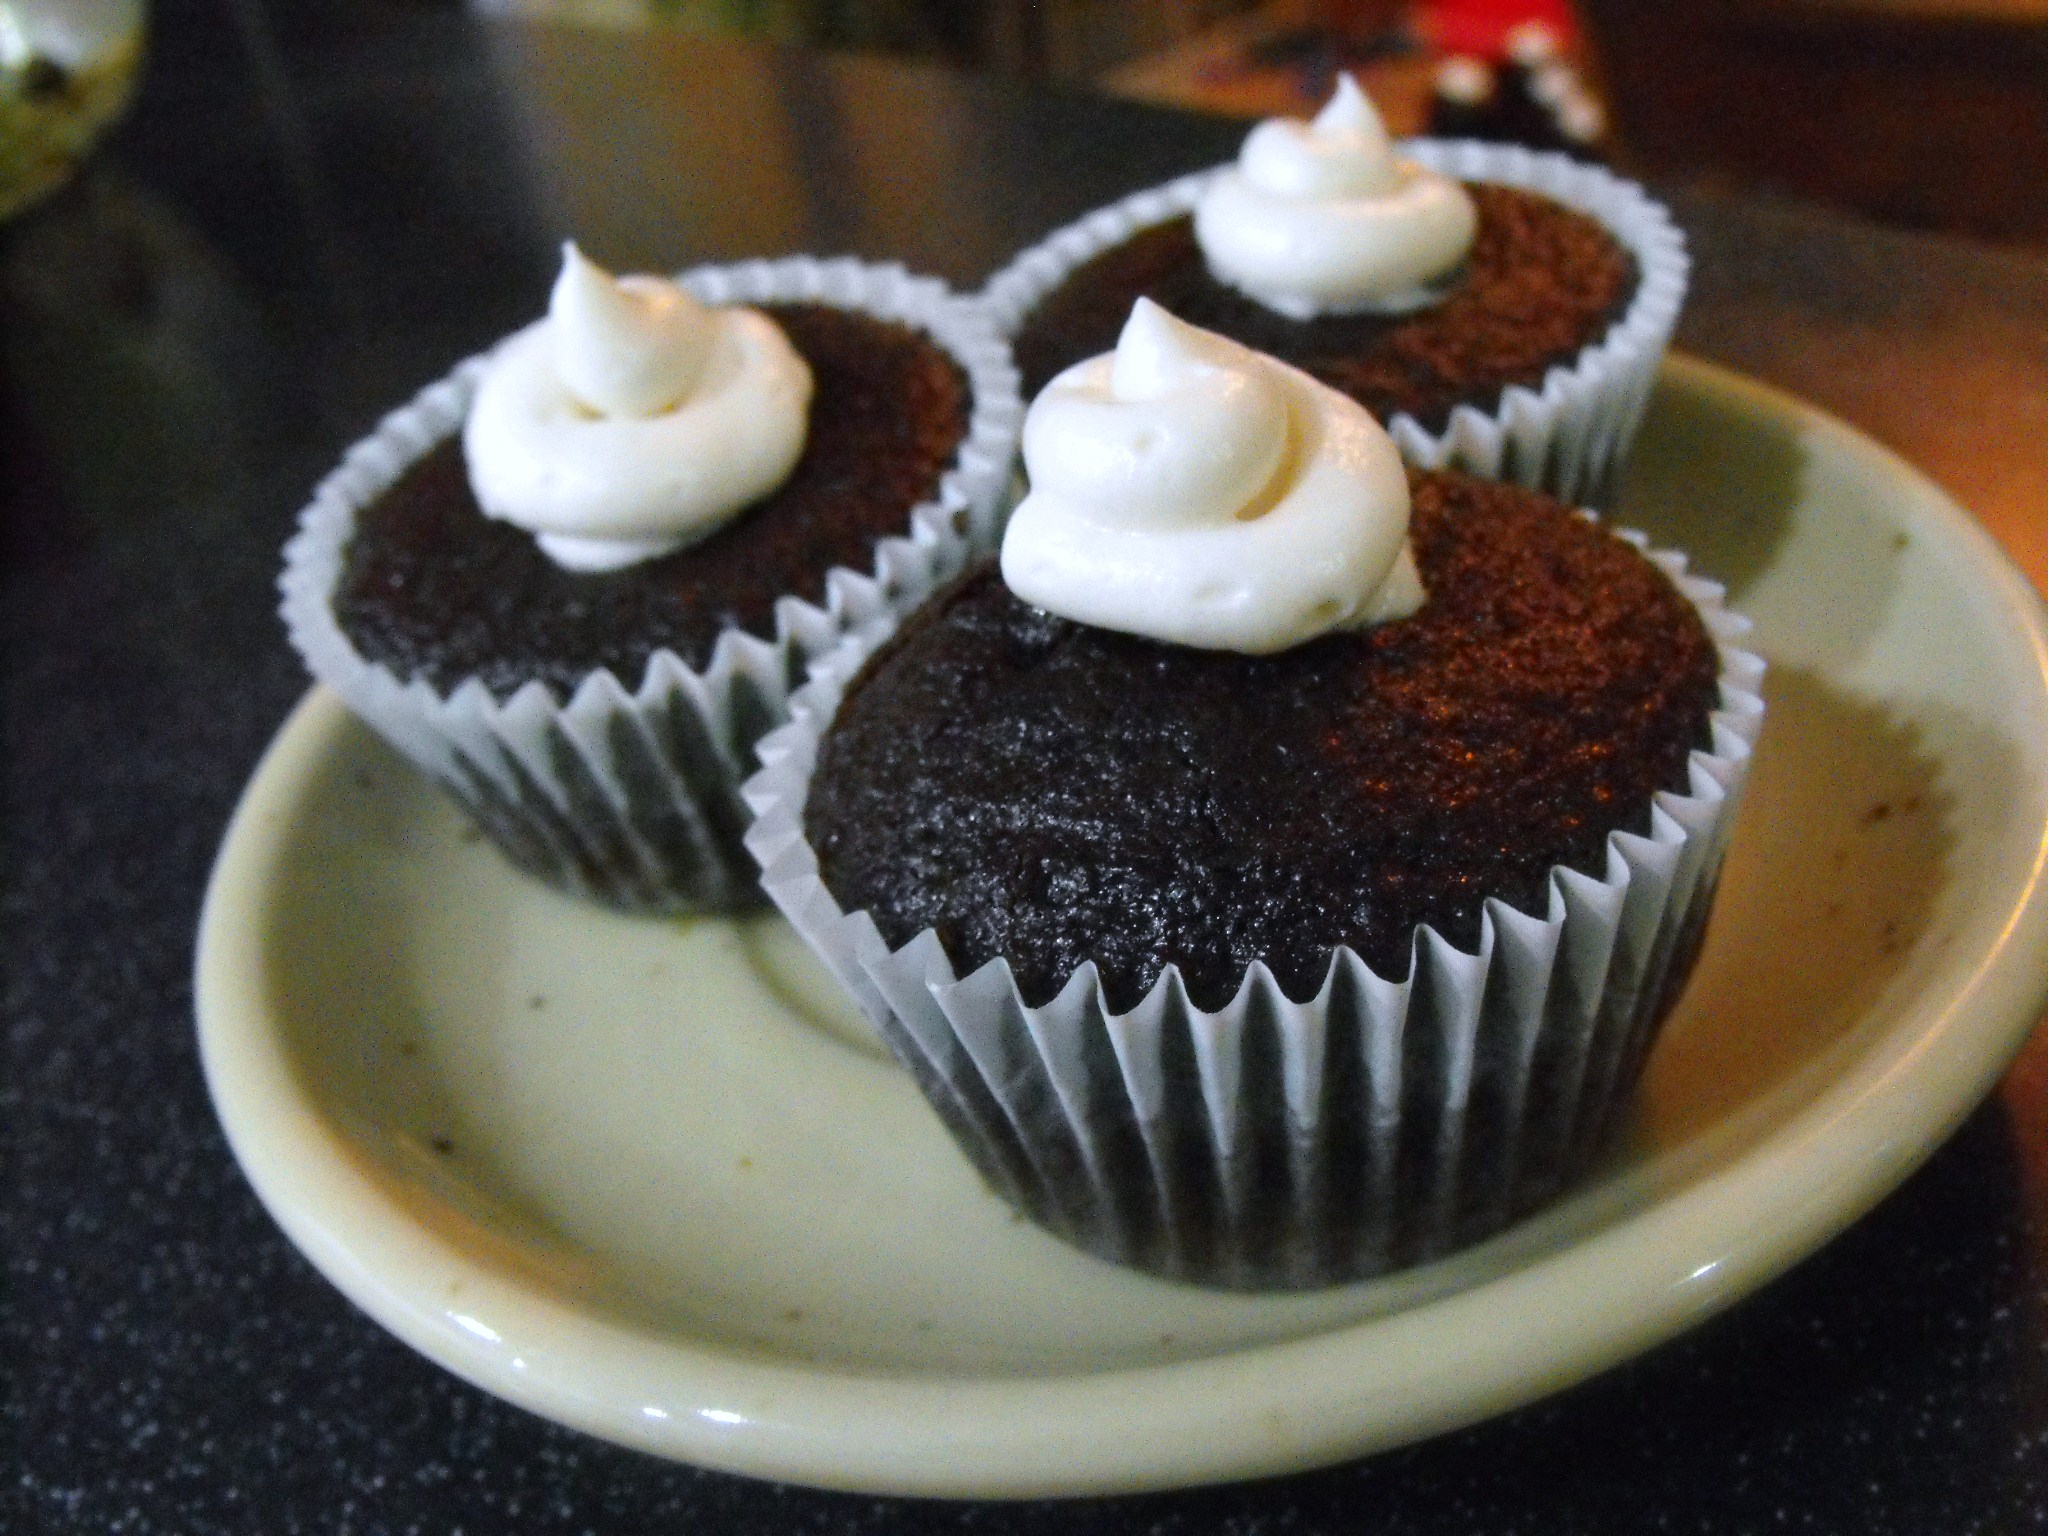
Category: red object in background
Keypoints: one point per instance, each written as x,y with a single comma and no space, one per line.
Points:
1480,27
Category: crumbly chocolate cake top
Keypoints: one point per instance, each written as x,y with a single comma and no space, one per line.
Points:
1541,282
433,588
1051,792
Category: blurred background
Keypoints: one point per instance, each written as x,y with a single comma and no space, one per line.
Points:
1925,114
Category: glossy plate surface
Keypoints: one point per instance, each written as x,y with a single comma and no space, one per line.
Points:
642,1178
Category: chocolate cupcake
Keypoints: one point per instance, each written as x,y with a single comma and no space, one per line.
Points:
576,580
1277,873
1502,311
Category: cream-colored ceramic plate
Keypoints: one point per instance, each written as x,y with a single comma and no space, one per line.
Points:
638,1177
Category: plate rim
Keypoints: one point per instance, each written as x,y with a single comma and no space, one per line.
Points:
1252,1411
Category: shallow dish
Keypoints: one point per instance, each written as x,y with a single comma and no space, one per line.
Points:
643,1178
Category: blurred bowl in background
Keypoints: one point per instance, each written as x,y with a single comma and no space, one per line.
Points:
67,68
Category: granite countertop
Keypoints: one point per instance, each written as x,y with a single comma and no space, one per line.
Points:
312,210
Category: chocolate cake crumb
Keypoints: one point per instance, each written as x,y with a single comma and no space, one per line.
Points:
1051,792
433,588
1540,283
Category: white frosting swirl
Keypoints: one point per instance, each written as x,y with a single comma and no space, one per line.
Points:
1191,490
1322,218
633,420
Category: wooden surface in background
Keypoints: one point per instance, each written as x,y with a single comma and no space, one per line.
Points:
1923,114
1218,69
1930,115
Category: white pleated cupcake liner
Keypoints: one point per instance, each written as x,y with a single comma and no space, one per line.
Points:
1275,1144
1570,435
628,791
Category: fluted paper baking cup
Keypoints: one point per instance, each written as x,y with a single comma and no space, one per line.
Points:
1569,435
1280,1144
628,791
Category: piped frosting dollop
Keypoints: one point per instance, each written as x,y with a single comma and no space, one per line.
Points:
1188,489
633,420
1323,218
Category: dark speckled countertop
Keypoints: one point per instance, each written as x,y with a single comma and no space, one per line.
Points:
312,210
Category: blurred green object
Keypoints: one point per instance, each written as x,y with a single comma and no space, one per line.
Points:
66,70
907,25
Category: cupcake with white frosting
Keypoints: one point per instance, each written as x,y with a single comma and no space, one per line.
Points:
1502,311
576,580
1273,871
